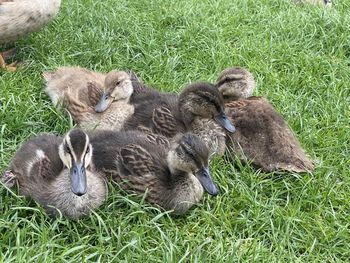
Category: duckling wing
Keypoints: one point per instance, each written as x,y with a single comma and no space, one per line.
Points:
137,160
264,138
95,91
79,111
164,122
37,160
43,168
157,139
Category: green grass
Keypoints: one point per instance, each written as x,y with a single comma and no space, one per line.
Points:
300,56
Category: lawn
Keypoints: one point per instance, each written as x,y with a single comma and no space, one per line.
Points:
300,57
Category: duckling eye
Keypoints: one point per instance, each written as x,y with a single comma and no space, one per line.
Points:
66,148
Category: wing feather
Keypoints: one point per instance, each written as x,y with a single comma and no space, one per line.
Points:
137,160
164,122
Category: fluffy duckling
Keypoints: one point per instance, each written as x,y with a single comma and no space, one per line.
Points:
93,99
199,108
19,18
262,136
326,3
56,173
173,176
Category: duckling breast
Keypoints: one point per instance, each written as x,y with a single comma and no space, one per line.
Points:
111,119
61,197
186,194
211,133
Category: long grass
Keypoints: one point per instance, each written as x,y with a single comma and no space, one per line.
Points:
300,56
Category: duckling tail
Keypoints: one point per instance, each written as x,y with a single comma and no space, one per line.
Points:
8,179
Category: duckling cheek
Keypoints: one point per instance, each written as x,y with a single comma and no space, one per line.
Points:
67,161
87,159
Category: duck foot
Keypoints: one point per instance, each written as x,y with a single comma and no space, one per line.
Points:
3,56
9,178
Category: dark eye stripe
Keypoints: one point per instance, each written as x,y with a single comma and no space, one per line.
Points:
67,149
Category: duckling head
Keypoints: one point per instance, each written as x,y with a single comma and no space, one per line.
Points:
190,155
118,86
76,153
205,101
235,83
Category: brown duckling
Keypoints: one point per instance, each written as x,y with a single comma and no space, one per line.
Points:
173,176
199,108
326,3
262,136
56,173
93,99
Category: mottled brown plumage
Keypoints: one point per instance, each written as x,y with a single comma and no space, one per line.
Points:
262,136
56,173
172,175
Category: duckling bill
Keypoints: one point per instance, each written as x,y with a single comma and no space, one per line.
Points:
57,173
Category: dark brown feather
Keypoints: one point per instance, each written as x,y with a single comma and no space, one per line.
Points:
95,92
137,160
164,122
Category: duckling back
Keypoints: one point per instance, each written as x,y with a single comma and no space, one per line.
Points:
157,112
264,138
21,17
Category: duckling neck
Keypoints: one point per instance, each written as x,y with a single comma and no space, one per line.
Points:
211,133
187,118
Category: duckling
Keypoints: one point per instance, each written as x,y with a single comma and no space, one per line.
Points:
19,18
56,173
173,176
262,136
93,99
326,3
199,108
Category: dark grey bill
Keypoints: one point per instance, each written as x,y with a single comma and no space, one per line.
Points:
224,121
204,178
102,105
78,179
